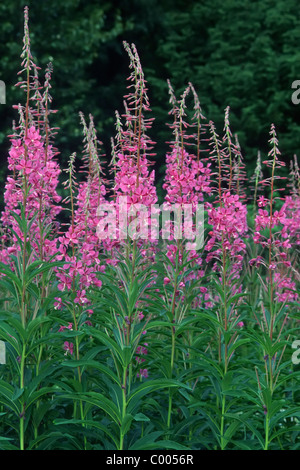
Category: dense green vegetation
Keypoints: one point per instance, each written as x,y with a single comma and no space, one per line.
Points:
117,332
242,54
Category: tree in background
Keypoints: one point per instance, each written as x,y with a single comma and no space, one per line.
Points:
238,53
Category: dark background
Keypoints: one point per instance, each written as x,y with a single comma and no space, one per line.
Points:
241,53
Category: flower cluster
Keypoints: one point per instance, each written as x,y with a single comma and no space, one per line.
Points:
291,222
285,288
33,186
229,225
186,178
79,246
134,191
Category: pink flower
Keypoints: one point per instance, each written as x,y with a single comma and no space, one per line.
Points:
262,201
68,347
33,138
27,159
81,297
25,166
69,327
140,315
142,373
229,222
58,303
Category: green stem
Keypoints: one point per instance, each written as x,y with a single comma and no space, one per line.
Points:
270,245
37,368
171,373
224,286
266,433
173,335
223,441
22,415
80,381
124,408
170,409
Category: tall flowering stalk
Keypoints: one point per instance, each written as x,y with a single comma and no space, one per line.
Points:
133,195
31,188
273,234
80,246
34,179
274,243
134,183
276,231
291,206
187,179
70,278
186,182
226,248
30,226
228,217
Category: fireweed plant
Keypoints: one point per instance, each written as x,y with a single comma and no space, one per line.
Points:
138,325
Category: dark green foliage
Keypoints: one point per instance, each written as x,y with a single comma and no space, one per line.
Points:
238,54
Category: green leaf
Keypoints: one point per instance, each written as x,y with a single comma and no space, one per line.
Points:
88,423
32,273
152,385
237,344
5,270
141,417
6,397
164,444
247,422
126,423
109,342
17,393
97,399
83,363
147,440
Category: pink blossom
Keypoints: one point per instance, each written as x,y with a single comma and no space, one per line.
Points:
68,347
143,373
58,303
81,297
27,160
69,327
